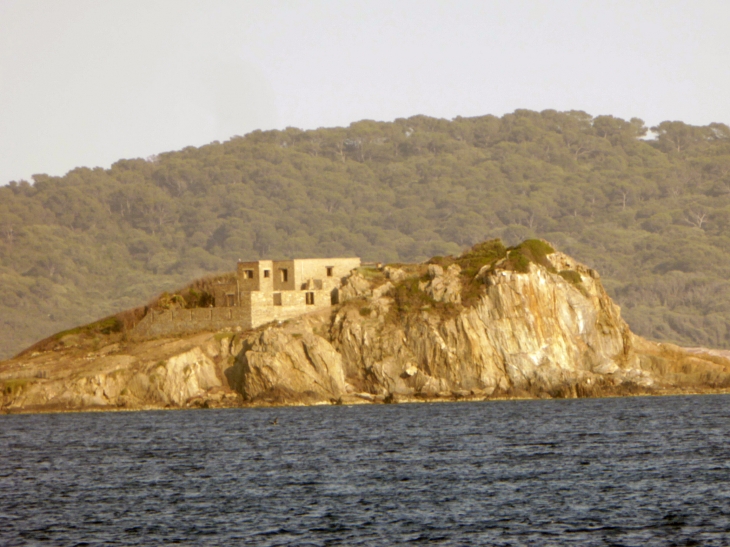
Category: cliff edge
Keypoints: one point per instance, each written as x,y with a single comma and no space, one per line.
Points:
494,322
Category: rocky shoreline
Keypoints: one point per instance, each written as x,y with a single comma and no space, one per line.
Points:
492,324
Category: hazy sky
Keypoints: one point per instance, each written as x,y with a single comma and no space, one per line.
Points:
87,82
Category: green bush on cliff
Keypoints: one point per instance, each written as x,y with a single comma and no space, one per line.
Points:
198,299
571,276
480,255
529,251
409,299
108,325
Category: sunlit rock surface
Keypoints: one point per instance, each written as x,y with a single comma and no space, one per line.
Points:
543,333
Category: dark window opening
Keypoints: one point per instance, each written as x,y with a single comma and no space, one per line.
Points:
277,299
330,271
231,300
266,273
310,298
284,274
248,274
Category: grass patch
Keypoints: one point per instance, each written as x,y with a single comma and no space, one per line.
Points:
529,251
116,324
571,276
410,299
480,255
375,276
107,325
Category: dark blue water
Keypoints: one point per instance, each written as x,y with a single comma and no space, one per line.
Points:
637,471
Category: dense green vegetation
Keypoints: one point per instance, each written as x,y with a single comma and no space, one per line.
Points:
651,216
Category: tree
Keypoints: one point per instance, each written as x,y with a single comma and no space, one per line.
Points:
679,136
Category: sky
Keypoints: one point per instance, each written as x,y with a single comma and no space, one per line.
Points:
86,83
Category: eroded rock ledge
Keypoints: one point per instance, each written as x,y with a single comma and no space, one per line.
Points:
493,323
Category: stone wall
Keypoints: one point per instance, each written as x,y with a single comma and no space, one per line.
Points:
279,306
284,281
226,294
255,276
256,308
158,323
319,268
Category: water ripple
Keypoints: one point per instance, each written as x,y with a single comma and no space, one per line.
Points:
638,471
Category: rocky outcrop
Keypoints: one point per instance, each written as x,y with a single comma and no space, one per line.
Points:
296,362
549,330
355,286
546,332
155,374
443,286
531,330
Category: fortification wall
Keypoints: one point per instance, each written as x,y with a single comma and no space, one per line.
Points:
256,309
280,306
158,323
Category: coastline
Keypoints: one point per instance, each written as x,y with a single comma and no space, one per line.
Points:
357,401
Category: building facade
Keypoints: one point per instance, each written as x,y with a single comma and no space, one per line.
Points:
270,290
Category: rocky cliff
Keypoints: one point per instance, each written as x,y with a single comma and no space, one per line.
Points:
494,322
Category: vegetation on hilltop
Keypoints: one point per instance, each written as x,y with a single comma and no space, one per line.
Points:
650,216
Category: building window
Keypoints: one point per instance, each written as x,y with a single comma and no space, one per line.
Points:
277,299
231,300
284,274
330,271
310,298
266,273
248,274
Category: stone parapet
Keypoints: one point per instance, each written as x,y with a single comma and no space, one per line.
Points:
159,323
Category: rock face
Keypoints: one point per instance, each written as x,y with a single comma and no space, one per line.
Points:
550,330
156,374
299,364
528,330
443,286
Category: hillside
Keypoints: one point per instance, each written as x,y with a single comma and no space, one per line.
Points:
652,216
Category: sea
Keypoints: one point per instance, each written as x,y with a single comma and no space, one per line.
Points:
640,471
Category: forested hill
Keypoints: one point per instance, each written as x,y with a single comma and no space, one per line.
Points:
652,216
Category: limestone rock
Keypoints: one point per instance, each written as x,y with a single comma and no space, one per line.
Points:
395,275
354,286
155,374
443,286
292,362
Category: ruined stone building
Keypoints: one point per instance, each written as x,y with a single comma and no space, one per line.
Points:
261,291
269,290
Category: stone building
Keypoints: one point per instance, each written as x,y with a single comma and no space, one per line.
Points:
262,291
281,289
